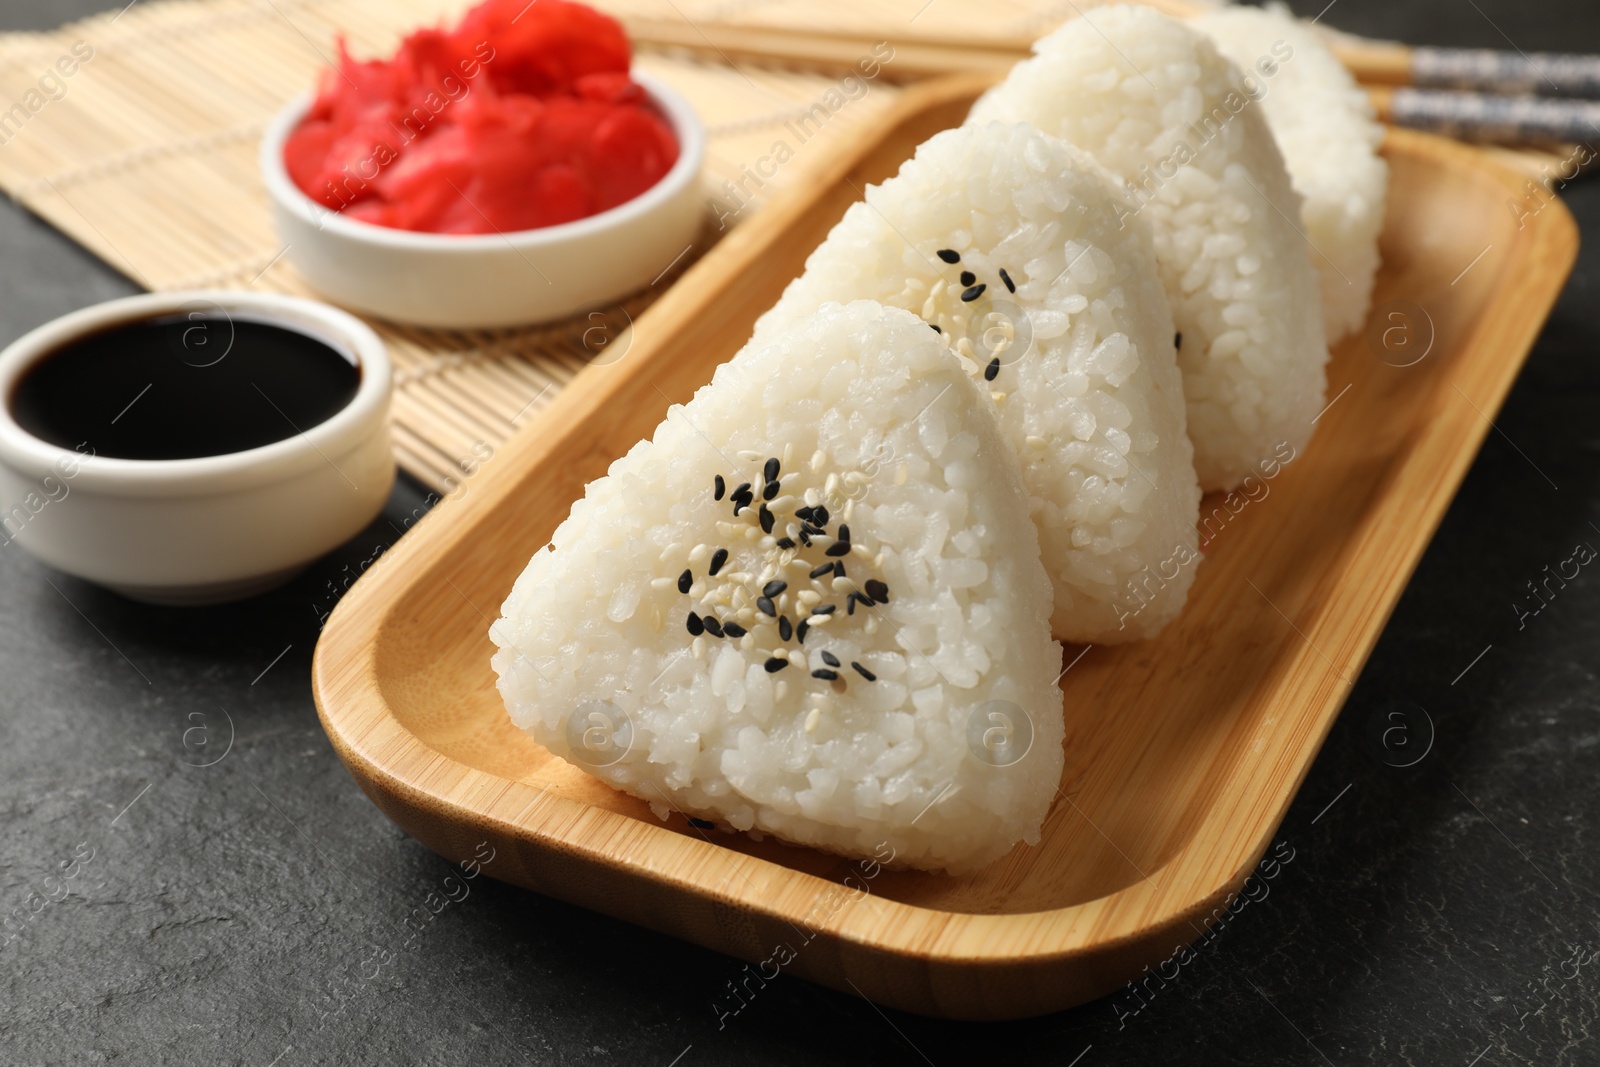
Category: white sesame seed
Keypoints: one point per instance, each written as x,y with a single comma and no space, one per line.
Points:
901,474
780,691
820,620
998,397
807,597
699,647
749,456
797,658
1035,441
819,459
842,585
699,553
861,551
662,584
753,533
872,624
784,502
877,561
747,642
813,717
788,453
671,552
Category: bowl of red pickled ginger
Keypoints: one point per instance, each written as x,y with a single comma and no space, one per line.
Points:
510,171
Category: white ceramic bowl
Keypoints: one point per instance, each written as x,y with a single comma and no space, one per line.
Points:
207,530
491,280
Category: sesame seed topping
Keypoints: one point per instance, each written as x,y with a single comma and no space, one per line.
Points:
685,580
877,590
770,471
766,519
935,326
766,607
713,627
967,277
785,628
826,675
1177,339
838,548
992,370
702,824
718,558
868,675
969,295
734,630
844,533
820,516
949,255
830,659
800,631
824,609
774,587
769,490
824,569
718,487
742,489
785,543
695,626
1011,286
776,664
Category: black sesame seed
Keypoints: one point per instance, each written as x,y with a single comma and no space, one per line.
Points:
824,609
713,627
868,675
766,607
785,542
967,277
877,590
1011,286
820,571
844,532
800,631
969,295
769,491
739,504
992,371
685,580
718,558
774,587
830,659
718,487
838,568
770,471
935,326
838,548
766,519
826,675
1177,339
805,539
775,664
695,625
819,516
702,824
949,255
804,514
742,489
850,603
734,630
785,628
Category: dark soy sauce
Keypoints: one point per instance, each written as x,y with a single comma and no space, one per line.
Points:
183,386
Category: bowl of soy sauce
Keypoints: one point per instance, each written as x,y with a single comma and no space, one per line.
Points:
193,447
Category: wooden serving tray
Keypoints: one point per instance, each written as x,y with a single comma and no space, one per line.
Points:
1182,753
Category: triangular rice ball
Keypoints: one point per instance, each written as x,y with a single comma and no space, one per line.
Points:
810,605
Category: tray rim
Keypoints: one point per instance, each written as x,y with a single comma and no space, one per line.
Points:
346,685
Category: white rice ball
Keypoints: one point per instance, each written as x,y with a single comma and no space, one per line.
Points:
1329,140
1078,361
1153,101
950,752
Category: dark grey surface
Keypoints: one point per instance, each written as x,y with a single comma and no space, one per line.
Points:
1442,914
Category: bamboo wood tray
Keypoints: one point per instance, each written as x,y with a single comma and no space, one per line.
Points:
1183,753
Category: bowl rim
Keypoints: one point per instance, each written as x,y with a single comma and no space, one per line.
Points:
36,459
680,115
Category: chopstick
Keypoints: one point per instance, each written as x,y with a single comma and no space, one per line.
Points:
1490,118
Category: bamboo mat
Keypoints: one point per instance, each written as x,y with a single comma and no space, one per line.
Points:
148,160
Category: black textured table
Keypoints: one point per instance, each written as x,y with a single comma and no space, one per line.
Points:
257,910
